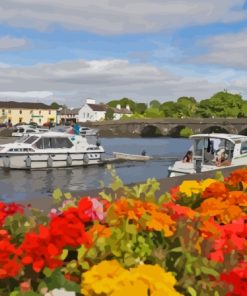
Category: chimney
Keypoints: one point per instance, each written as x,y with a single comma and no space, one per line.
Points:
90,101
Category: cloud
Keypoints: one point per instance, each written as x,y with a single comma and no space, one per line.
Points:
71,82
117,16
10,43
228,50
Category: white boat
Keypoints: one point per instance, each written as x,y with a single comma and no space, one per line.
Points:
50,150
135,157
24,130
205,150
86,131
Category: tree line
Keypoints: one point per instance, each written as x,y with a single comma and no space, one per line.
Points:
222,104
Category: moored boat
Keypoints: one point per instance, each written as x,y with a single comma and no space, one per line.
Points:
48,150
212,152
24,130
135,157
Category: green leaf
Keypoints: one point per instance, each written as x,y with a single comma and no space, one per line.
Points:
57,195
85,265
210,271
68,195
130,228
219,176
47,272
105,196
192,291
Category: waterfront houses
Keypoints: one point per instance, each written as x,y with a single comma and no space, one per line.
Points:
68,115
96,112
26,112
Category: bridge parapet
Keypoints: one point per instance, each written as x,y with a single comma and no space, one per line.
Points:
169,127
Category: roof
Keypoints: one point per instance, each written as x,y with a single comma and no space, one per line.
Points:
67,111
23,105
230,137
98,107
122,111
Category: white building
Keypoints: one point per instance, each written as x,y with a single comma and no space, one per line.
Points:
96,112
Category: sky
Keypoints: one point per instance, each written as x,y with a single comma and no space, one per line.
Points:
67,51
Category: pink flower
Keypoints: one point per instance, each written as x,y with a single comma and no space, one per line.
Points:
53,213
97,210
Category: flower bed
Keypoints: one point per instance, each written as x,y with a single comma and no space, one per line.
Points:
190,241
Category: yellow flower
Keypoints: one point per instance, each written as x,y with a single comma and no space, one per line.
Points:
110,278
206,183
190,187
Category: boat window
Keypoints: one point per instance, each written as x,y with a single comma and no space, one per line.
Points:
61,143
243,149
30,140
51,143
20,130
30,131
198,147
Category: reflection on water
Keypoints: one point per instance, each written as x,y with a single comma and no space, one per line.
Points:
20,185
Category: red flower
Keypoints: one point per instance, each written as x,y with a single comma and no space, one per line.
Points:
9,263
237,278
9,210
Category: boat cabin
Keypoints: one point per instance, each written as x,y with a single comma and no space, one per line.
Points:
211,151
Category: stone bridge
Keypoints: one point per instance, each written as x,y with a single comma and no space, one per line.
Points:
169,126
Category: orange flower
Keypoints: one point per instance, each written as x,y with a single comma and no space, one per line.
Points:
216,189
161,222
238,198
100,230
237,177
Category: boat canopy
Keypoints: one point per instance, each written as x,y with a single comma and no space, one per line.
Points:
230,137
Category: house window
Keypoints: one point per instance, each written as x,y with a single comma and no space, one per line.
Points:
20,111
3,111
87,115
20,119
39,112
31,111
9,111
39,120
49,112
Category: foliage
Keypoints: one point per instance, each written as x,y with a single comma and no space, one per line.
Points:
153,113
222,104
190,241
186,132
109,115
154,104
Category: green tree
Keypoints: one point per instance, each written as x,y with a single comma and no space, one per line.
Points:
186,132
153,113
154,104
186,106
169,109
221,104
109,115
55,105
140,108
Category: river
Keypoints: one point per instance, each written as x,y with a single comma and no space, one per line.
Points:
22,185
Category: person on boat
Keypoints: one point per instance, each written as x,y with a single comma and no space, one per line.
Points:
188,156
221,158
71,129
76,129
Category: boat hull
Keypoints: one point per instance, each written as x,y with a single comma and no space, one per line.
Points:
125,156
42,161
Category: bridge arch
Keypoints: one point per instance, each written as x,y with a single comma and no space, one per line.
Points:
175,131
243,132
151,131
215,129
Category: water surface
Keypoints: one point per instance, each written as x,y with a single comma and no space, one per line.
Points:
17,185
